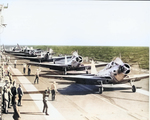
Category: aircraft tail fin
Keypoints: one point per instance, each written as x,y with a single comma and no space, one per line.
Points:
93,68
49,56
65,59
50,51
46,56
18,46
31,48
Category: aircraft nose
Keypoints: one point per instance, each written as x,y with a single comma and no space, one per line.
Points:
124,69
79,59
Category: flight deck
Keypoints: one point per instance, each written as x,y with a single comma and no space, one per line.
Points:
78,101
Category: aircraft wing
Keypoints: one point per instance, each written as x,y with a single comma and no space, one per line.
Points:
19,54
61,66
96,65
49,65
59,58
134,78
41,59
88,78
29,58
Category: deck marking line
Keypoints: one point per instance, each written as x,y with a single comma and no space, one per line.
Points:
29,87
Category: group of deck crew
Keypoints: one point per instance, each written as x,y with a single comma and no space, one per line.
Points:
12,95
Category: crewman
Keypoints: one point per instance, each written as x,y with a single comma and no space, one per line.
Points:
8,59
16,114
13,91
29,69
45,99
2,70
4,59
8,70
5,100
48,90
15,62
9,94
53,90
10,78
24,68
20,94
37,76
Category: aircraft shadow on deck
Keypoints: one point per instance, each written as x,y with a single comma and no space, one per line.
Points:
77,89
74,89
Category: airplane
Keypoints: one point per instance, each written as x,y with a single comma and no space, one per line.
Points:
28,52
115,72
73,63
16,49
43,56
24,51
35,52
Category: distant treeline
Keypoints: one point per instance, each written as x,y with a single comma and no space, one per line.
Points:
139,55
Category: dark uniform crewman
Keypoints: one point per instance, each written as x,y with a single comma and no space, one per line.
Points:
20,94
16,114
14,92
45,99
29,69
24,68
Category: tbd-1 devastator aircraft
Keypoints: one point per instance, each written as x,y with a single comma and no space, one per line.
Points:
16,49
73,63
43,56
115,72
28,52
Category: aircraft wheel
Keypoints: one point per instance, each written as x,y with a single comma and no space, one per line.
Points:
100,90
133,88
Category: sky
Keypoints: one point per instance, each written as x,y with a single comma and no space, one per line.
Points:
77,23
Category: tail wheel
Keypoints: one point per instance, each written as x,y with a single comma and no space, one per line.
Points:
133,88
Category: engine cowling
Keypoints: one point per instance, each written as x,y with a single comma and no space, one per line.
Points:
125,69
79,59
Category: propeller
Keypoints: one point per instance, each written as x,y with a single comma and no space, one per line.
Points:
124,69
79,59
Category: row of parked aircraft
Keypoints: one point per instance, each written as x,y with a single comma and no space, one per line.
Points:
33,54
115,72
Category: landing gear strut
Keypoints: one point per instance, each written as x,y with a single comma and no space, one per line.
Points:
65,71
53,61
101,88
